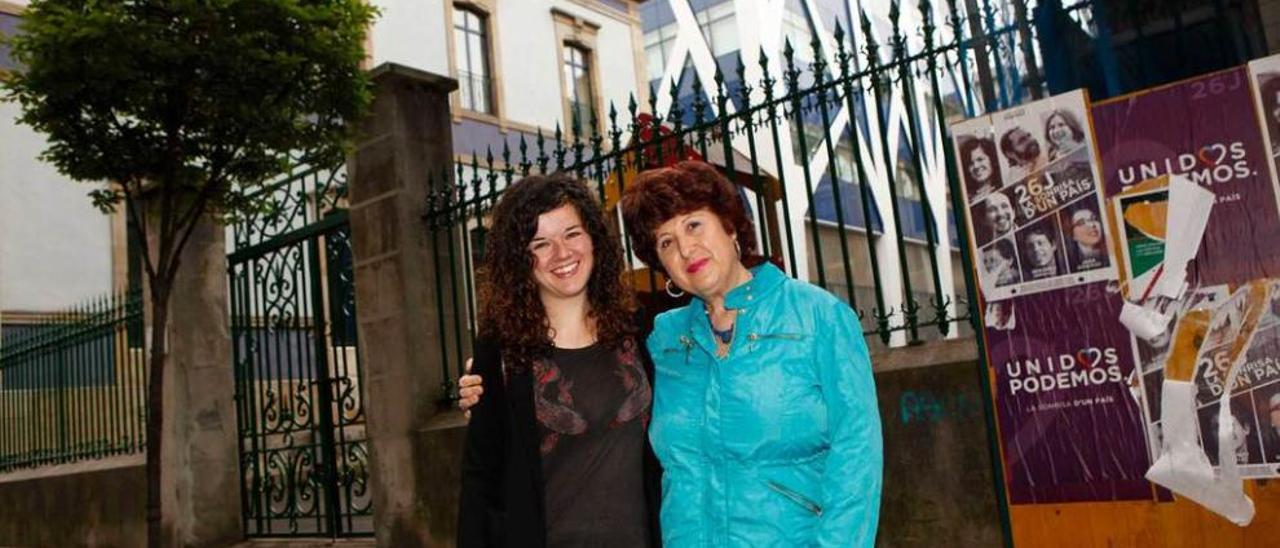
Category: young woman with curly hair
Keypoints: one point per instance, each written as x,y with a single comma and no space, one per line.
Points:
556,452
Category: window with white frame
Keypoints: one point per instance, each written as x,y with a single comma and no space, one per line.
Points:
471,58
657,48
579,94
719,28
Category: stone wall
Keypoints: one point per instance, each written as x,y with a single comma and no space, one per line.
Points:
1269,11
937,474
100,503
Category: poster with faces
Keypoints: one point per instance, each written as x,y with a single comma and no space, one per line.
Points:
1035,213
1254,405
1265,74
1254,397
1151,354
976,158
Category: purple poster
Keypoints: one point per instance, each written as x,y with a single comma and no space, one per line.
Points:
1068,396
1069,428
1215,140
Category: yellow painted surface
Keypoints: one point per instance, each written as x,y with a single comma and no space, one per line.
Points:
1172,524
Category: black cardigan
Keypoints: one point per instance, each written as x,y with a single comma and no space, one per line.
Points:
502,502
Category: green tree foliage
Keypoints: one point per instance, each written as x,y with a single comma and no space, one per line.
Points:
204,95
182,108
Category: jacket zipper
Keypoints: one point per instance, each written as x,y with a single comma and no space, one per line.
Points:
795,497
783,336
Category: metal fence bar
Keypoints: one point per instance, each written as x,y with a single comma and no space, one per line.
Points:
303,460
64,393
892,76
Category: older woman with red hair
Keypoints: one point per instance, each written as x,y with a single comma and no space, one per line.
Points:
764,412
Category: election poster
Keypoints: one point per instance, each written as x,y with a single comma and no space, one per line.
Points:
1218,142
1078,396
1265,75
1070,430
1034,213
1255,334
1215,141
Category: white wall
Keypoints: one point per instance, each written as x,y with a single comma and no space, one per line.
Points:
411,33
531,63
55,248
415,33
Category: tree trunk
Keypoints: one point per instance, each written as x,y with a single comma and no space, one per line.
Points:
155,405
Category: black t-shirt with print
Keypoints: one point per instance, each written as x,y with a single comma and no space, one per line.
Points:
593,406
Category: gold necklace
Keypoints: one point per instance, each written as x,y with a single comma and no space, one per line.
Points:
724,339
722,349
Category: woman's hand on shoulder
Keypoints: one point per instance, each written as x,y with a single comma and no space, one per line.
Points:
470,388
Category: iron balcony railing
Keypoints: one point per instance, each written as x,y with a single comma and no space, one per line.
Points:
475,92
73,386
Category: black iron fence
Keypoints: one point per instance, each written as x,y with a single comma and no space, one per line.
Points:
301,424
842,155
73,385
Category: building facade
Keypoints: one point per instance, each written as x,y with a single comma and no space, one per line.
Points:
523,66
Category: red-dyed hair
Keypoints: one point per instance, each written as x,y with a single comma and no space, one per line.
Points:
660,194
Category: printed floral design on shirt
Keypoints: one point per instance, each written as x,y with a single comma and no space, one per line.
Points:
554,410
639,394
553,397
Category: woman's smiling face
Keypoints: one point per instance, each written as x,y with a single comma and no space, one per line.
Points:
980,165
563,254
697,252
1060,133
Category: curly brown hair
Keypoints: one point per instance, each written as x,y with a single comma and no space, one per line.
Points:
511,313
659,194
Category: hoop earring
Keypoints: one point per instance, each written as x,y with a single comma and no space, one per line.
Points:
672,293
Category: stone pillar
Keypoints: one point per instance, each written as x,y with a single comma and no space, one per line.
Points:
1269,12
414,465
200,466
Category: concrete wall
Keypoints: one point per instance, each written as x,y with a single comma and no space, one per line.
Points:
96,504
937,476
411,33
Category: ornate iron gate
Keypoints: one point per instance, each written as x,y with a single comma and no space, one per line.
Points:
303,450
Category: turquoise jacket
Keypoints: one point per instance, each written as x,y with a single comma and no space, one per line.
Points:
778,443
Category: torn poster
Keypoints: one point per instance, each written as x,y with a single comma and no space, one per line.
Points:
1217,144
